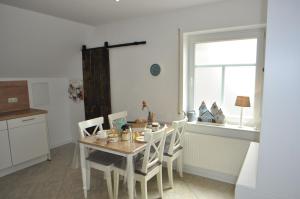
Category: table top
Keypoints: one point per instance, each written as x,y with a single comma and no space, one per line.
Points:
124,147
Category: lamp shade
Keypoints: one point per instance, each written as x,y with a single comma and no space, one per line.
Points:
242,101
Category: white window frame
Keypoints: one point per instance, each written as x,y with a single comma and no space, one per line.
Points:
259,34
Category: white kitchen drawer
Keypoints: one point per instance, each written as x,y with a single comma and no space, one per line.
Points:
23,121
5,157
3,125
28,142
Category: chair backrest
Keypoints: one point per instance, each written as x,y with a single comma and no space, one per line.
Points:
93,125
177,135
154,150
114,116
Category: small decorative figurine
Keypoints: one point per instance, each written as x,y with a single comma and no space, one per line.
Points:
220,117
204,114
150,114
214,109
215,116
202,108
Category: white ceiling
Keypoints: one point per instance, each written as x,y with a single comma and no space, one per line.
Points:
96,12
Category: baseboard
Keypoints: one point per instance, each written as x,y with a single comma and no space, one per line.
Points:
21,166
60,143
215,175
250,193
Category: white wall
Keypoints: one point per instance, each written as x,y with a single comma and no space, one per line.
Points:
58,112
131,81
39,47
77,113
279,161
44,46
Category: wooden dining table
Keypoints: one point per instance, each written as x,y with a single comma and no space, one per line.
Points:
123,148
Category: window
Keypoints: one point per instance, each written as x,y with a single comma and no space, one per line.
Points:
222,66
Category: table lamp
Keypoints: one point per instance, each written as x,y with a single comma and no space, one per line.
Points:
242,101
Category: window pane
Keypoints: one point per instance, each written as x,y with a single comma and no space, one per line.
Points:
226,52
239,81
208,86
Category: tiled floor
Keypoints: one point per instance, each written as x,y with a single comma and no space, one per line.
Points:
57,180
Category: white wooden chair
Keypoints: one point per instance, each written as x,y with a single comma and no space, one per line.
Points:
174,149
97,159
114,116
147,166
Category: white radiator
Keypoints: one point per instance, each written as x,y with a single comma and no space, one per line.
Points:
214,157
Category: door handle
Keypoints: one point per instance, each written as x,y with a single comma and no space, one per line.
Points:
28,120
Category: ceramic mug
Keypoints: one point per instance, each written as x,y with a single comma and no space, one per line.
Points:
102,134
125,136
147,134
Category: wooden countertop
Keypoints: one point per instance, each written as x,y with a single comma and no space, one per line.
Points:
22,113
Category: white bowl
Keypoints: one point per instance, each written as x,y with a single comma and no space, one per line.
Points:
102,134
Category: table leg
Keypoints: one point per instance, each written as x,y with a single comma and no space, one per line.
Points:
130,176
83,169
75,161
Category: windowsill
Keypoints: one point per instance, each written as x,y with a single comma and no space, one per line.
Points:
224,130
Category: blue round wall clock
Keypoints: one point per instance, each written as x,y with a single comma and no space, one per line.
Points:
155,69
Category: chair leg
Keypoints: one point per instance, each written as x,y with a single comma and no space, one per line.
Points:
135,194
109,184
116,184
83,164
159,182
88,176
75,161
125,179
180,164
170,172
144,189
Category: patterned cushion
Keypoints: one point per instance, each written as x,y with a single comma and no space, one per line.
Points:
118,123
138,170
167,143
123,162
175,151
103,158
138,163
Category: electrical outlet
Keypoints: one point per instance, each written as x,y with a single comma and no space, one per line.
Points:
12,100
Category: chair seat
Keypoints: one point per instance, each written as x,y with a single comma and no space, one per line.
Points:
138,163
138,171
175,151
103,158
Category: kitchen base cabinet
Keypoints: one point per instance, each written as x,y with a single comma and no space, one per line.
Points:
28,142
5,158
23,141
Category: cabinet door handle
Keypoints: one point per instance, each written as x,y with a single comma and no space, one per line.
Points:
28,120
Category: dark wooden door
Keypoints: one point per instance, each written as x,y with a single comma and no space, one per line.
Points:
96,83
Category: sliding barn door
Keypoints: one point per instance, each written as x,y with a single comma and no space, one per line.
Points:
96,83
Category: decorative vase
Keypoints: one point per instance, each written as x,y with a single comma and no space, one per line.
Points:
191,115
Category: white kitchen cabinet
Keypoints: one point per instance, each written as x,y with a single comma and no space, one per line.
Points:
3,125
28,138
5,158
